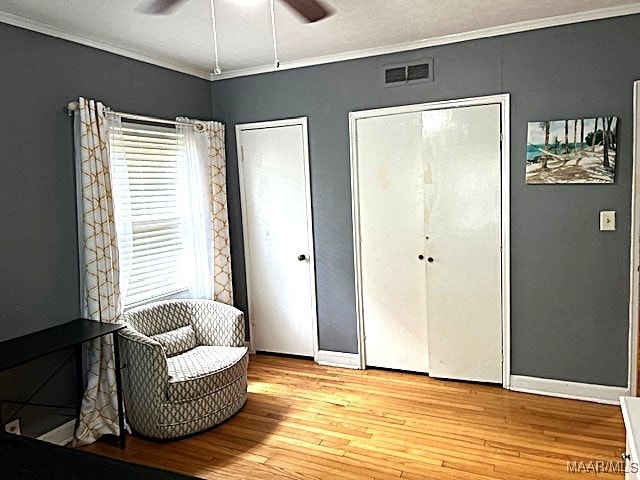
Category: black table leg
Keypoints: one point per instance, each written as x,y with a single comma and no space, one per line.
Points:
116,353
80,382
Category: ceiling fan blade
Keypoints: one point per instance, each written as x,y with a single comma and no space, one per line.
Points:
311,10
161,7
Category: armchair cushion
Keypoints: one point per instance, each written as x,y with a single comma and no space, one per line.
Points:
177,341
203,370
160,317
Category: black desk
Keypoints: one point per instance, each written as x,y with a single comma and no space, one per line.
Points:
18,351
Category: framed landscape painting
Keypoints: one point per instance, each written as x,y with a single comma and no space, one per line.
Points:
572,151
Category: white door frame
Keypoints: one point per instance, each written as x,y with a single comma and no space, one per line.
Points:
300,121
503,101
634,259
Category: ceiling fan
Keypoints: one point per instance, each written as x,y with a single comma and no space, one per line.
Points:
311,10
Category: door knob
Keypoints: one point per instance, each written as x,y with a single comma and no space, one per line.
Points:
430,259
302,257
420,257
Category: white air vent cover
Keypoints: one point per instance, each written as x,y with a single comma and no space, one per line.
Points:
409,73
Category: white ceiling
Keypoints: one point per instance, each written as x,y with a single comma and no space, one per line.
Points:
183,40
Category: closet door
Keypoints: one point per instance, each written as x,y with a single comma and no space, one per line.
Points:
391,216
428,214
462,217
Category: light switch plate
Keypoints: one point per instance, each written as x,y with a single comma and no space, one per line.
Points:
607,220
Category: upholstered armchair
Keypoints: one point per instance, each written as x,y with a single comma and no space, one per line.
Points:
184,366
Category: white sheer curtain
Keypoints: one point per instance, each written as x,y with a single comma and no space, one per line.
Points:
122,202
196,219
205,166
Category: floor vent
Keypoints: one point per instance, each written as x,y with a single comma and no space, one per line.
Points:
415,72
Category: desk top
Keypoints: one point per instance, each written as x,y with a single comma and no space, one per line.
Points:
20,350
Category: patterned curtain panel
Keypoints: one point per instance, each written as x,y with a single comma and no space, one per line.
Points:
99,268
222,286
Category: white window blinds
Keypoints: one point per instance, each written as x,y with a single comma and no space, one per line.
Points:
155,256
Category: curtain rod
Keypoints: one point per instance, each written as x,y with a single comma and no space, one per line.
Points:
198,125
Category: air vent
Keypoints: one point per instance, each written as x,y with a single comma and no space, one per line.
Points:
395,75
418,72
414,72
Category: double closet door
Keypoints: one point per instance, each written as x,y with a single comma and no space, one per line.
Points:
427,198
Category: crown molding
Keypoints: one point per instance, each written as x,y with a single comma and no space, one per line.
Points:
528,25
22,22
587,16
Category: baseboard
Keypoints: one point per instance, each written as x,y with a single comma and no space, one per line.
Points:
574,390
60,435
338,359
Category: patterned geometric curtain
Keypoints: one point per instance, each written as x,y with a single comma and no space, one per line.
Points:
99,268
222,285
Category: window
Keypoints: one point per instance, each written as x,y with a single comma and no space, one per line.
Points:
155,251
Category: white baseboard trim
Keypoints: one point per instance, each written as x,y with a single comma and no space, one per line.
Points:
574,390
60,435
338,359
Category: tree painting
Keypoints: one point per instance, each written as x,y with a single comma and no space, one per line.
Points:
588,157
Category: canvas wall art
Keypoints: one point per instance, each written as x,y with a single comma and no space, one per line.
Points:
572,151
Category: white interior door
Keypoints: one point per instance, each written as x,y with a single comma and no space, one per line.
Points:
276,214
391,214
462,213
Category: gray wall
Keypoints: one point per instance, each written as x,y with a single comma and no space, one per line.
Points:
570,282
38,254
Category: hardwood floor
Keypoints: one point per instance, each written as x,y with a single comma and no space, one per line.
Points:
306,421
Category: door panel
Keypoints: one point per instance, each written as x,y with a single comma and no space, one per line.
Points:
277,230
462,201
390,177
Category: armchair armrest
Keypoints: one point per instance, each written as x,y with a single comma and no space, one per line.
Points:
145,365
218,324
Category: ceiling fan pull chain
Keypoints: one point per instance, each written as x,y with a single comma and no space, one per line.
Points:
217,70
276,61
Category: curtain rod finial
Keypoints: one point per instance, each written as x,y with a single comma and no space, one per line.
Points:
72,107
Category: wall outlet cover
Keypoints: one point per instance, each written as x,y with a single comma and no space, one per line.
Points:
13,427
